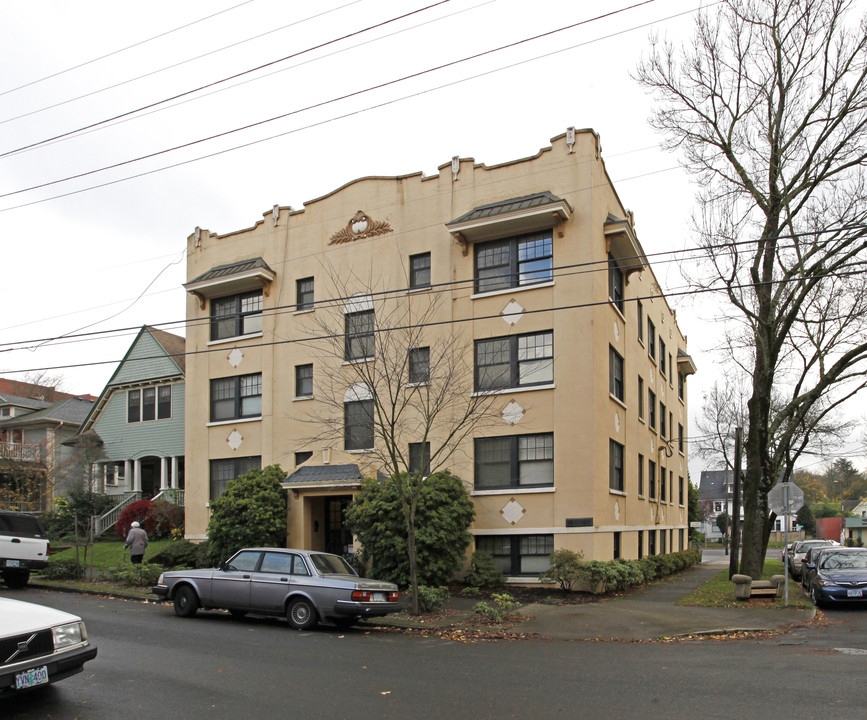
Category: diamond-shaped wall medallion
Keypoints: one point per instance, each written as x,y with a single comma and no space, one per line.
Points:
616,331
235,439
512,511
513,312
651,514
235,357
513,413
617,510
617,421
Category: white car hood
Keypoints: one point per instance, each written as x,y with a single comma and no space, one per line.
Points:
18,617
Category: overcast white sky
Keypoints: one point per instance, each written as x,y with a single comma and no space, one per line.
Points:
113,257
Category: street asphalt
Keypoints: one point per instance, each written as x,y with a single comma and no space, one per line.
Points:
651,612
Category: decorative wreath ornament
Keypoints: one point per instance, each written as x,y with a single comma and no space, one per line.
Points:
359,228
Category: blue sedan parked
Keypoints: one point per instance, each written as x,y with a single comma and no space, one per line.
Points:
838,575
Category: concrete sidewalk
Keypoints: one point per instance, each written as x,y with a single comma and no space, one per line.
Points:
651,613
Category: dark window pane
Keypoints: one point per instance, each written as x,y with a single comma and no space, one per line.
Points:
164,402
133,400
148,403
358,425
304,294
303,380
419,365
419,270
359,335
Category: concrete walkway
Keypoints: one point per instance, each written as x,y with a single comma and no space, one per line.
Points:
651,613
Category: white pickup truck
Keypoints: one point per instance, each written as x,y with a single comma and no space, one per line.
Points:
24,547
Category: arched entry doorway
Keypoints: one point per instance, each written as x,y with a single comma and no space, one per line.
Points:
150,476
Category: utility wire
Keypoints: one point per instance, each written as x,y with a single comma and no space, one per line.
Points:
223,80
313,106
116,52
164,68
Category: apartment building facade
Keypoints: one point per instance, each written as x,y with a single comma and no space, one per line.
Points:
541,283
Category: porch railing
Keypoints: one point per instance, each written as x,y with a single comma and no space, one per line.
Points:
109,519
172,495
23,452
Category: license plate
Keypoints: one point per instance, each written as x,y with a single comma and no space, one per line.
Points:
31,678
854,593
377,597
13,563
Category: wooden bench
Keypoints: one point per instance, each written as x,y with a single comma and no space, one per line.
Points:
746,588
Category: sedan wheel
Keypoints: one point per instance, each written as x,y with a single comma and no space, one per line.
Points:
186,602
301,614
814,596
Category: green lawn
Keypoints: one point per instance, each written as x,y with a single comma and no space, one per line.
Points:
109,554
719,591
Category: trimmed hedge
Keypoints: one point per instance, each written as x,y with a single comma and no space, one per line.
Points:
600,576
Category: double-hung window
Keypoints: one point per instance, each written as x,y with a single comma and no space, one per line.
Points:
514,461
514,262
662,356
515,361
238,397
641,397
358,425
615,374
651,411
615,465
224,471
419,365
150,403
640,475
615,283
518,554
304,380
304,294
651,479
651,339
419,459
236,315
662,427
419,270
359,339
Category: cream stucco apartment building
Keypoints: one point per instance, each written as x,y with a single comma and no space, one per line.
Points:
540,281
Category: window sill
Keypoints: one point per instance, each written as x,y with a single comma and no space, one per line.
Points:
618,401
235,338
425,288
513,491
304,311
617,310
507,291
217,423
506,391
358,361
301,398
417,384
359,452
621,493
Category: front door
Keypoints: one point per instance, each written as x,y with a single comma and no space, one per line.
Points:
337,537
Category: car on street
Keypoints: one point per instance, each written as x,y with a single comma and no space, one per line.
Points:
303,585
24,547
39,645
798,551
839,575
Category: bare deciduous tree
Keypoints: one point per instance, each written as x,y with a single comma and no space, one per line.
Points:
412,371
768,105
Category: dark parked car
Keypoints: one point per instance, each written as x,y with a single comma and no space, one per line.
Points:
303,585
838,575
39,645
808,565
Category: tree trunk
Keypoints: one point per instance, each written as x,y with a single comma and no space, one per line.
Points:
413,574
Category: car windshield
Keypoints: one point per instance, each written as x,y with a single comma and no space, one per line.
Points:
331,565
845,561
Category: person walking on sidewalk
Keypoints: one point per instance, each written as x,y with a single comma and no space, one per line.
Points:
136,541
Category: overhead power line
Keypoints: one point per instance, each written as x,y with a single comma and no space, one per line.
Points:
121,50
321,104
209,85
